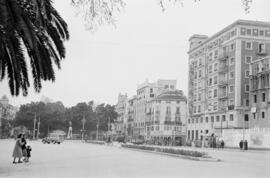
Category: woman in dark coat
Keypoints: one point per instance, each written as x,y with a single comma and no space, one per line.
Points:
17,151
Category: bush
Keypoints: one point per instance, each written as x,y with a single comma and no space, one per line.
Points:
168,150
95,142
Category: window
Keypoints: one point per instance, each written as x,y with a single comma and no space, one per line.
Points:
223,117
261,48
232,61
199,109
210,94
215,93
177,110
200,61
246,88
254,115
263,115
200,74
210,57
199,97
201,119
217,118
254,98
231,74
261,32
231,117
212,118
263,97
247,102
247,73
151,90
231,102
232,47
248,45
215,80
194,109
206,119
231,89
246,117
215,67
216,54
248,59
210,82
210,69
248,31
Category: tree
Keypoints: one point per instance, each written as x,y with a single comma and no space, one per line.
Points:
100,12
36,26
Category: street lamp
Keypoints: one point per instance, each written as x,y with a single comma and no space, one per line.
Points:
34,130
83,122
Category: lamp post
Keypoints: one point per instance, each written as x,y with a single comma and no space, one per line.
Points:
34,130
83,122
38,128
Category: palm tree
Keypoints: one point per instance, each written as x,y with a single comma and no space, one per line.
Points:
30,30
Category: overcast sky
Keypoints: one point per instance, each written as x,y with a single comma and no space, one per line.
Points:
146,44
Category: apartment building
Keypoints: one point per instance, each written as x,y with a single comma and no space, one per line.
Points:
146,92
260,93
166,118
219,83
120,125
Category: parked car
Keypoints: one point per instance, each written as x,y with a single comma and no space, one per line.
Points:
46,140
51,140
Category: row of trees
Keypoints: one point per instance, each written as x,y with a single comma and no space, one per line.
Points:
55,116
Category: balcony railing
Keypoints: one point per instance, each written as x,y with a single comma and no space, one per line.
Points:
223,96
223,82
223,68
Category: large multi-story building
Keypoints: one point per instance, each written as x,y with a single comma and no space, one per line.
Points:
166,118
121,109
218,96
146,92
260,92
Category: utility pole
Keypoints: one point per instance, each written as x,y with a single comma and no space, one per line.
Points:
34,130
83,122
97,128
38,128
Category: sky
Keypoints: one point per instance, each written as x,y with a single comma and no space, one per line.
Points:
146,43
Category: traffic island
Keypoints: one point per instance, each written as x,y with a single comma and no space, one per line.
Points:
175,152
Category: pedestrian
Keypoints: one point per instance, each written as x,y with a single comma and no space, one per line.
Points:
241,144
17,151
28,151
23,146
222,144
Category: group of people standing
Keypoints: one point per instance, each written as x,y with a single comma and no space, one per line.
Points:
21,149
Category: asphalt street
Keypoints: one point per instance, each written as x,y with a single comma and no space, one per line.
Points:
77,159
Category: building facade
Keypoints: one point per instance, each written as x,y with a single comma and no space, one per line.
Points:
219,84
146,92
260,93
166,118
120,124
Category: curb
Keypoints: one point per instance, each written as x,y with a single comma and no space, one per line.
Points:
175,155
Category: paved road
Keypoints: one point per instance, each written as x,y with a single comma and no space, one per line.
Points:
77,159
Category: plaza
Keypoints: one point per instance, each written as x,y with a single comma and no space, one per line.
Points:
79,159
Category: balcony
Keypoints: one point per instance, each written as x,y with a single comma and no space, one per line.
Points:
261,53
223,56
223,68
172,122
231,107
222,96
223,83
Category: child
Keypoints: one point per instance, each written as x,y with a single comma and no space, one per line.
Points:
28,150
